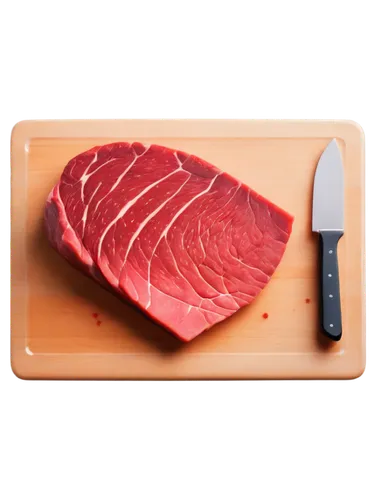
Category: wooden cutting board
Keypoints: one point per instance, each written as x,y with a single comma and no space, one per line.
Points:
66,326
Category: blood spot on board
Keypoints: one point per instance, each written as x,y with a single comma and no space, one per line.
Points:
95,315
265,315
98,323
307,301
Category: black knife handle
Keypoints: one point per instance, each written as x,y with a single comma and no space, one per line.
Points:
330,285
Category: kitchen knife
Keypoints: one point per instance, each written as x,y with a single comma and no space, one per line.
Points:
328,221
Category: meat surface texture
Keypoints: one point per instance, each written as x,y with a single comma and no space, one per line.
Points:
167,231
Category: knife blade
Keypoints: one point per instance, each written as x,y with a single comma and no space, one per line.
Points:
328,221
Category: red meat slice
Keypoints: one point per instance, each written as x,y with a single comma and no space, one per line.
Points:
185,242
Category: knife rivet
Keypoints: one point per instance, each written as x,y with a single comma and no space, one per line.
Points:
331,325
330,276
331,251
330,296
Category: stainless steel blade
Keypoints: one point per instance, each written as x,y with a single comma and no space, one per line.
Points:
328,196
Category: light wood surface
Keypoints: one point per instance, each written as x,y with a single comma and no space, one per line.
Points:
56,310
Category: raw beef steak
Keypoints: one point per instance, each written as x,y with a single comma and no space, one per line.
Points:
185,242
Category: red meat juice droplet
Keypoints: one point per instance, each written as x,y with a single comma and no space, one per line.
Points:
265,315
307,301
98,323
95,315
